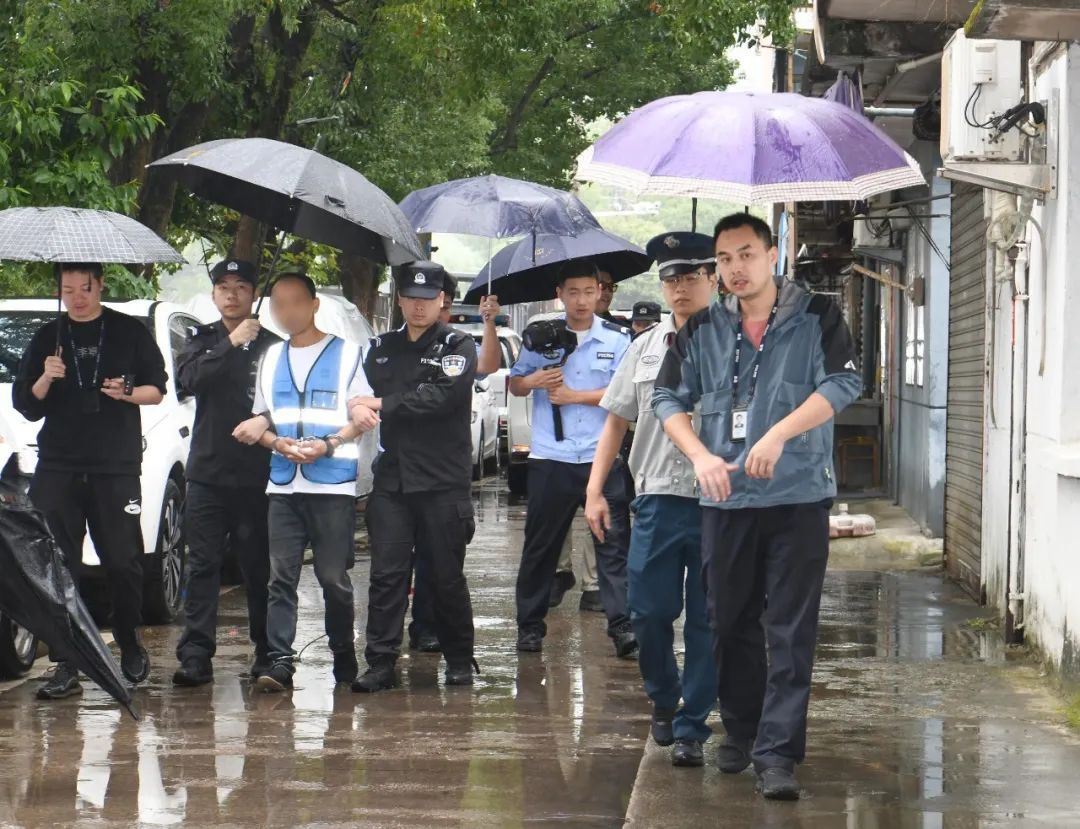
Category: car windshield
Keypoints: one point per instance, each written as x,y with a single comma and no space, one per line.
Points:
17,328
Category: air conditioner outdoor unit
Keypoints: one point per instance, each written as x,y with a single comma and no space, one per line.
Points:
979,79
867,233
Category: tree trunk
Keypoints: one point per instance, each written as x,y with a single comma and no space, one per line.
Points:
274,108
359,279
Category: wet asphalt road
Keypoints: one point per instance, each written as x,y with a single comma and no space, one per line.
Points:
916,721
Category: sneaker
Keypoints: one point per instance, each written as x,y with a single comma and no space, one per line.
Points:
134,661
626,643
63,683
590,602
687,752
733,755
345,667
193,672
778,784
661,728
261,665
461,674
530,641
564,580
376,678
279,678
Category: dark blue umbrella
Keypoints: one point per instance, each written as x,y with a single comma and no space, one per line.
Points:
527,271
496,207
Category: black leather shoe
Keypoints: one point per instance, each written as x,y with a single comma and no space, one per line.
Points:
424,642
563,582
626,644
345,667
530,641
193,672
376,678
461,674
590,602
661,728
279,678
733,755
134,662
778,784
687,752
63,683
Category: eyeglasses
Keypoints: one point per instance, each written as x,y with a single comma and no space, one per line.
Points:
688,279
609,286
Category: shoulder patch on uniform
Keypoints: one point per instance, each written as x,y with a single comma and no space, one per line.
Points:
453,365
614,326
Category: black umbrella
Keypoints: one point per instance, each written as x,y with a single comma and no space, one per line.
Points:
73,234
298,191
36,591
528,270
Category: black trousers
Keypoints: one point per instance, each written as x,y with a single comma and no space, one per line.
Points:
436,527
763,572
219,518
556,491
111,506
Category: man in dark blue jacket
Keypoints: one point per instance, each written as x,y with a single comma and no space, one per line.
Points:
769,366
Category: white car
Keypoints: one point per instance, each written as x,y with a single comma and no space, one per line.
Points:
509,348
485,428
166,440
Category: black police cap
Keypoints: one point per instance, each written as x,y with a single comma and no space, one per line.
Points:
239,268
646,312
421,280
681,252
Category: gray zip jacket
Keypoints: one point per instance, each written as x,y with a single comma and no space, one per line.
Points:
808,348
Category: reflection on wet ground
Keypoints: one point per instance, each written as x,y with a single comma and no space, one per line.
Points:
916,721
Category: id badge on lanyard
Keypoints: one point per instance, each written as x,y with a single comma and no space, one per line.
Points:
740,413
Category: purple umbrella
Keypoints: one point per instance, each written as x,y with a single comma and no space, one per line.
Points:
749,148
846,90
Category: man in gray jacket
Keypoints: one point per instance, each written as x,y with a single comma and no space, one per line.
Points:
769,365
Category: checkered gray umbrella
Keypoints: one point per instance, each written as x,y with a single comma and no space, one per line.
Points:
72,234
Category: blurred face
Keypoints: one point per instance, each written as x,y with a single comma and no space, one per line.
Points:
234,297
641,325
744,263
81,294
607,293
687,293
421,313
579,296
445,308
293,306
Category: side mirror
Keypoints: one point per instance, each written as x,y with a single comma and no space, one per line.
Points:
482,385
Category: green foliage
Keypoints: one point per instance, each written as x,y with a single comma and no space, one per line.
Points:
420,91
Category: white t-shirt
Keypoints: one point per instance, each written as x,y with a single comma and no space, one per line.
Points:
301,360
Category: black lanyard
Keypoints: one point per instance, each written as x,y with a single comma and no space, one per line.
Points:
97,359
757,363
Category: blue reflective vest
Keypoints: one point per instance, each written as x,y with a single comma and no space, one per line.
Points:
319,410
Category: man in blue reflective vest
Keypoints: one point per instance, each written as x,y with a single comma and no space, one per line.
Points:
301,394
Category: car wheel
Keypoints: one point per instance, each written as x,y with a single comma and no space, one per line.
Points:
517,477
478,465
163,570
18,649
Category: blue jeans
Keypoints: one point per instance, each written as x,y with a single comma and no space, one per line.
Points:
665,557
328,522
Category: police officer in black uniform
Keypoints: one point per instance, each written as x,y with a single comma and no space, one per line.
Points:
226,491
422,377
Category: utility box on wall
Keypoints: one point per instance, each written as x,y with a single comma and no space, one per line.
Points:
979,79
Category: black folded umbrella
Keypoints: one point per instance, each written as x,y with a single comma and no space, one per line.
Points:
36,590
